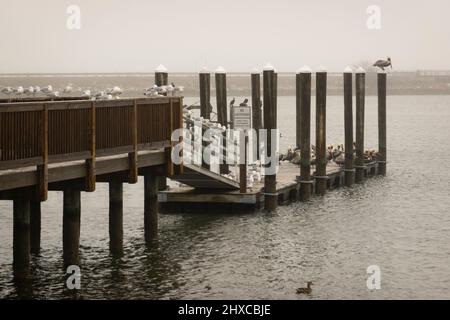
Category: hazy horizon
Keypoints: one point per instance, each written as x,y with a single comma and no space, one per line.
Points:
136,36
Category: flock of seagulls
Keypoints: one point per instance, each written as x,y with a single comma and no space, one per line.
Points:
169,90
48,91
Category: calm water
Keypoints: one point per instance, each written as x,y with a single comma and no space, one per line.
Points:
400,223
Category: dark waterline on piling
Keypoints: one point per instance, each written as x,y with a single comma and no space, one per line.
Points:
399,222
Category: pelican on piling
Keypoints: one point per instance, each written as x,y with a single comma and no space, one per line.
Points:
383,63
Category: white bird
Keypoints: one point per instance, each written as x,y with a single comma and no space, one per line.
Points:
29,90
46,90
116,91
37,89
53,94
8,91
86,94
68,89
19,91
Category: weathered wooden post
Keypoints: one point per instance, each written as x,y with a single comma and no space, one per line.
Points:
321,112
205,110
305,134
349,168
360,88
256,106
298,111
116,217
71,226
270,122
205,95
161,76
222,113
35,226
382,150
21,235
150,207
243,161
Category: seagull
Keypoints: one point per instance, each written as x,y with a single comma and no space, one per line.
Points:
37,89
244,103
29,90
53,94
115,92
19,91
8,91
383,63
232,102
68,89
86,94
47,89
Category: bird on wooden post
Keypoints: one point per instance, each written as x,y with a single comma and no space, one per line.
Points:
232,102
383,63
244,103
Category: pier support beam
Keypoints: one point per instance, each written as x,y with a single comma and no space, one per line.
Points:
321,147
150,207
360,106
305,134
382,150
71,226
256,107
270,122
35,226
349,167
222,112
21,236
116,217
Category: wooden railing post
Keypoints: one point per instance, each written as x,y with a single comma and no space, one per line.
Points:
90,163
132,156
256,107
42,169
243,164
382,150
321,148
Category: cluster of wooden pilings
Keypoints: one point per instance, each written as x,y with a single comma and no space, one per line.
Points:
354,166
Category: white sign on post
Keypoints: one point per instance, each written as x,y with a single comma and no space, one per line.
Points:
242,117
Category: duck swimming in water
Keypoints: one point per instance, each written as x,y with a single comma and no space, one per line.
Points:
306,290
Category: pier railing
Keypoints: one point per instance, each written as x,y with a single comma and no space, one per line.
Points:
39,133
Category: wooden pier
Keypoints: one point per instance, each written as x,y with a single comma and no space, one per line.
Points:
70,145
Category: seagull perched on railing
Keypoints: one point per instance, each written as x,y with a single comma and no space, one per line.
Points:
244,103
8,91
19,91
29,90
383,63
232,102
46,90
68,89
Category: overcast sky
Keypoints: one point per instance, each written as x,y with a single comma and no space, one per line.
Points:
184,35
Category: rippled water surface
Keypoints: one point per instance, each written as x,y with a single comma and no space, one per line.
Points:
400,223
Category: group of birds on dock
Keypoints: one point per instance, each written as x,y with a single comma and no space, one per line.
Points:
170,90
51,93
334,153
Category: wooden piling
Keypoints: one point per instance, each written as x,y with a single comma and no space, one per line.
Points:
305,134
270,122
205,95
90,163
150,207
222,113
243,164
161,76
321,147
35,226
116,217
21,236
71,226
256,106
360,88
298,111
349,168
382,150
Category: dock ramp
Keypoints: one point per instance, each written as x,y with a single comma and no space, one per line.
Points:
202,178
